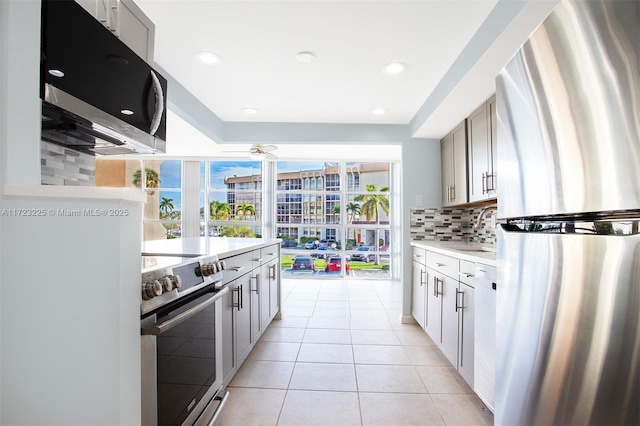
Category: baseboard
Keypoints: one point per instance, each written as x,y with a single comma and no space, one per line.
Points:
407,320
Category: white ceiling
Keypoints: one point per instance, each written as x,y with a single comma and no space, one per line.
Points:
352,40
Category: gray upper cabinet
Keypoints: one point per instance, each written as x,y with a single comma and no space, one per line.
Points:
453,151
482,152
127,21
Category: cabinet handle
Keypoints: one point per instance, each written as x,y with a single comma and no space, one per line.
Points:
453,192
440,265
493,186
466,275
257,278
237,268
234,304
461,306
484,183
423,274
272,268
241,298
436,293
258,259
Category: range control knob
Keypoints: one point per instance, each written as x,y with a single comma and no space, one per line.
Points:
176,280
208,269
222,265
151,289
167,284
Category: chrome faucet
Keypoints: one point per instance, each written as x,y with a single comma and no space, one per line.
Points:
483,213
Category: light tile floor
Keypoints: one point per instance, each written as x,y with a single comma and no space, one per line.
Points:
340,356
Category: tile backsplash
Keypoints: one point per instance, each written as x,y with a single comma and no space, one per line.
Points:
452,224
64,166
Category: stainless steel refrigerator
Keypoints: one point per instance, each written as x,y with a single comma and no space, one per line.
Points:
568,316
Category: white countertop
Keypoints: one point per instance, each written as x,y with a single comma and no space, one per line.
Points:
472,252
223,247
84,192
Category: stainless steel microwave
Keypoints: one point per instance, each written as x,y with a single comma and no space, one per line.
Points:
98,96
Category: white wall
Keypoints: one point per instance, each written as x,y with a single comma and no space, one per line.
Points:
69,286
420,188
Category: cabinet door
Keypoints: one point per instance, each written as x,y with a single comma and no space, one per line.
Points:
433,325
479,153
459,191
273,272
135,29
466,331
228,334
447,288
257,293
446,161
418,293
493,123
243,318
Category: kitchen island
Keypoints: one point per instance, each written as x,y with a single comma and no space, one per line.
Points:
252,273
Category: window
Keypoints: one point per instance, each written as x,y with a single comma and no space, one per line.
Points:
333,218
234,199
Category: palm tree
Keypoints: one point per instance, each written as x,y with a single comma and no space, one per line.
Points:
371,203
335,210
219,211
152,179
352,210
166,207
246,210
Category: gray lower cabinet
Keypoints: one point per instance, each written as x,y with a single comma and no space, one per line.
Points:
419,279
270,292
254,300
447,293
465,305
443,304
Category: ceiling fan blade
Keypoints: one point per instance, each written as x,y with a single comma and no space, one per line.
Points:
270,156
269,147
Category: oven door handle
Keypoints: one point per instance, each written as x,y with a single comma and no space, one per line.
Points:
159,328
223,401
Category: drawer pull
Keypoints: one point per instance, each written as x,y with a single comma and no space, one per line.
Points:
237,268
440,265
466,275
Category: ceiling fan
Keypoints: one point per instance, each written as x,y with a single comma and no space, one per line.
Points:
260,152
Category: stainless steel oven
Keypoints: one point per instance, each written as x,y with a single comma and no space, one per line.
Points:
181,329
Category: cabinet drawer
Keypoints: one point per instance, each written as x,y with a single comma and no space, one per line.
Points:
419,255
267,254
237,266
467,272
443,264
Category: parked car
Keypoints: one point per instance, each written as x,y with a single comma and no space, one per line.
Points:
334,264
362,256
309,245
288,243
303,263
322,255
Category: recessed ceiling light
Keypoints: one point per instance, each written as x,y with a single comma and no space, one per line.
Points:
209,57
378,111
56,73
306,57
126,112
250,110
395,68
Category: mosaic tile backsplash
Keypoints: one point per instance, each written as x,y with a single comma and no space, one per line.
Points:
448,224
64,166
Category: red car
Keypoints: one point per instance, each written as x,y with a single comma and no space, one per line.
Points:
334,264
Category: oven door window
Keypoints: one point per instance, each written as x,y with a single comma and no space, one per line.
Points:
186,363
